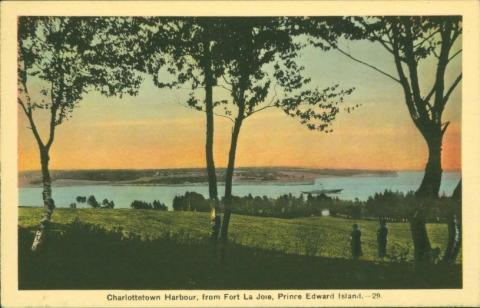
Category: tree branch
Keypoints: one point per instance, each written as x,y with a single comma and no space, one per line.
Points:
259,109
384,44
20,102
452,87
426,39
270,104
224,116
454,55
33,127
215,114
365,63
379,37
226,81
444,127
440,73
53,117
224,87
412,68
404,82
28,112
455,35
427,98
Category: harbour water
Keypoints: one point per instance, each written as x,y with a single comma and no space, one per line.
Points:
360,187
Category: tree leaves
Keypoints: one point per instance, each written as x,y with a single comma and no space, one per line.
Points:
73,55
316,108
263,56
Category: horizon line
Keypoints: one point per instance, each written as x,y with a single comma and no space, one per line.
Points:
240,167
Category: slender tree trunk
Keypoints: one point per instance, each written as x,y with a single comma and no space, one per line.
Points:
454,221
229,173
211,172
421,242
212,177
432,178
48,203
457,239
428,189
457,192
454,239
433,136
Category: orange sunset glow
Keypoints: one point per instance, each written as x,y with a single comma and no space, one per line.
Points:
156,130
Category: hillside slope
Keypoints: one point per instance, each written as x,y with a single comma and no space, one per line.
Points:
320,236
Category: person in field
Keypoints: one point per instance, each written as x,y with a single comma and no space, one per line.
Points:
382,234
356,242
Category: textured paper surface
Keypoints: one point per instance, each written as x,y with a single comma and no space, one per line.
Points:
470,10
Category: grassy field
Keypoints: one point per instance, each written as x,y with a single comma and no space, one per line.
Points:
320,236
263,253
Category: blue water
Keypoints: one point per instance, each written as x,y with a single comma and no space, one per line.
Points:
360,187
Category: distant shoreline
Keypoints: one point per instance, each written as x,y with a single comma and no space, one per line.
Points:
194,177
191,176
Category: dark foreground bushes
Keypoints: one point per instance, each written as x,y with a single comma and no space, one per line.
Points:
81,256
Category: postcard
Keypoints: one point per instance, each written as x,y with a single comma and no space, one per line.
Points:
240,153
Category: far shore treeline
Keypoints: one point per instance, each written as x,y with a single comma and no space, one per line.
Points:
386,206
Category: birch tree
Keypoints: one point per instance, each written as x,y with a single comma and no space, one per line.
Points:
61,59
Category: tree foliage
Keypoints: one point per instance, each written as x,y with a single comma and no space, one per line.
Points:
260,70
261,55
92,201
410,41
60,59
142,205
191,201
70,56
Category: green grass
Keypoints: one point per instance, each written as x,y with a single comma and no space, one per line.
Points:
146,249
313,236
